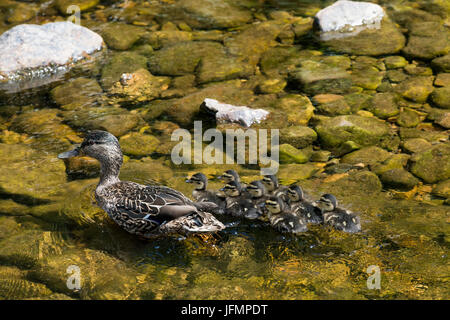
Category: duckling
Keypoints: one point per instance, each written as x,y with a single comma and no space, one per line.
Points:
146,211
282,219
201,194
299,205
258,194
230,175
338,218
273,187
237,204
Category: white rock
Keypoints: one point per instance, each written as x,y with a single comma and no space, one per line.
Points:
38,48
343,15
239,114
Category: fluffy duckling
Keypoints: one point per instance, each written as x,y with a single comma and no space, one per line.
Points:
258,196
147,211
201,194
237,205
338,218
282,219
299,205
273,187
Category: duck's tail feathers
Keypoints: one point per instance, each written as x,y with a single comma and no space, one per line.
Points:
206,206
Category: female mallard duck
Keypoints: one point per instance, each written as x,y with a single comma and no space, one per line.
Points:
299,205
338,218
201,194
147,211
282,219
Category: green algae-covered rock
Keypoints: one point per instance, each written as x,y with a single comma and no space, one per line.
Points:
272,85
182,57
359,183
372,42
442,189
84,5
120,63
415,145
290,154
398,178
117,121
441,97
368,156
8,225
222,67
290,173
12,208
358,101
20,13
442,63
394,62
331,104
204,14
138,144
80,90
296,109
324,75
416,88
120,36
395,161
442,80
427,40
396,75
138,87
433,164
298,136
408,118
277,61
362,130
384,105
367,77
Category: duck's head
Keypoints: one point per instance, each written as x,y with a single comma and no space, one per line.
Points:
256,189
295,193
230,175
97,144
232,189
275,205
199,180
327,202
270,182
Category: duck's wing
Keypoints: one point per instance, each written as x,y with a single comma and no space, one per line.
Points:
153,203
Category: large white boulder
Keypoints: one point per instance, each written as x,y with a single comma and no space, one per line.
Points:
35,49
344,15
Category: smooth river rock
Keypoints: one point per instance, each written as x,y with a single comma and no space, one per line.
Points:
34,50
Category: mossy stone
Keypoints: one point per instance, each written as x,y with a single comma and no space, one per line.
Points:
290,173
84,5
433,164
441,97
121,36
272,85
368,156
120,63
427,40
296,109
384,105
298,136
362,130
368,78
442,63
416,88
331,105
395,62
398,178
442,189
138,145
416,145
80,90
408,118
395,161
442,80
290,154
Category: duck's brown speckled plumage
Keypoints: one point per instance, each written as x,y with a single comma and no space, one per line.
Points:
147,211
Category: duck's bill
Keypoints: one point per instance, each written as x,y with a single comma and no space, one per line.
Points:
69,154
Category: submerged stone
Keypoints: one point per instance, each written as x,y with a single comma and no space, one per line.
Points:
138,144
81,91
298,136
442,63
362,130
29,50
368,156
416,88
383,105
398,178
124,62
416,145
441,97
83,5
121,36
427,40
442,189
433,164
290,154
